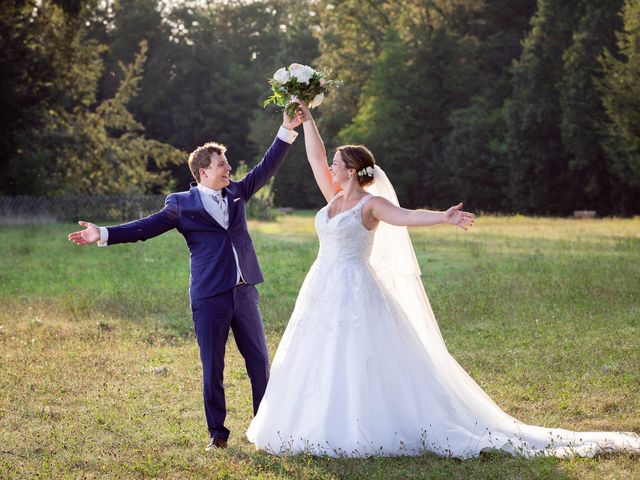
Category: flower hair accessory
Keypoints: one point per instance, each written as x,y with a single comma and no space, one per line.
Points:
368,171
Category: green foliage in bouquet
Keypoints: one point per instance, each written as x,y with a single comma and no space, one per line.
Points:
301,81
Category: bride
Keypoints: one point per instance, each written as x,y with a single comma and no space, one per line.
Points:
362,368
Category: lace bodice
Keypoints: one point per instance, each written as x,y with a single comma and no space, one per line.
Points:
343,236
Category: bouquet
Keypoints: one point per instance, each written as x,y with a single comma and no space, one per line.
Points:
300,81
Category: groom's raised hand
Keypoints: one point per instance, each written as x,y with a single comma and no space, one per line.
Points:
292,123
91,234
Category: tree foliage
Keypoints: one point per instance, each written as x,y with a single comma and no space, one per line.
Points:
581,104
510,105
621,99
77,144
103,149
538,161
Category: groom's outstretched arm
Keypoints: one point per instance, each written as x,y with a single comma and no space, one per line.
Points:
272,159
142,229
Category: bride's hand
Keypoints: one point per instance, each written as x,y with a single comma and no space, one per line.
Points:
303,112
455,216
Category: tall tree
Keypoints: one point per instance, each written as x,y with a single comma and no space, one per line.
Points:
100,148
37,66
207,68
294,41
351,37
475,148
47,65
589,178
621,99
19,69
538,162
476,152
444,81
422,71
383,120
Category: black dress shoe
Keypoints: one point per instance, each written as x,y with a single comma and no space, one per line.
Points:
216,442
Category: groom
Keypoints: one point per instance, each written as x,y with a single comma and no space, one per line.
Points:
224,267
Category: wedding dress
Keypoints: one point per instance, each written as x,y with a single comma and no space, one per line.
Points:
362,368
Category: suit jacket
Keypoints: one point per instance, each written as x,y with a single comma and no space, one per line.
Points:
213,266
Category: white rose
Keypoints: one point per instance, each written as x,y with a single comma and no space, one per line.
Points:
302,73
317,100
281,76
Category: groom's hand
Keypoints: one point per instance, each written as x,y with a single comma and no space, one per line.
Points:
91,234
292,123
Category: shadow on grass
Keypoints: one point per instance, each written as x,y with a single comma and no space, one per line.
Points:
425,466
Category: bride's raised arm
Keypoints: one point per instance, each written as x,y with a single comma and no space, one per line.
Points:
316,154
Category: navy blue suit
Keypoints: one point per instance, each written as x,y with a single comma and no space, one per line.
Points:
217,304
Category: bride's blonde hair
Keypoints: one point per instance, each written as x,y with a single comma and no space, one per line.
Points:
359,158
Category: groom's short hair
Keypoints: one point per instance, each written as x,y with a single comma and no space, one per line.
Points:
201,157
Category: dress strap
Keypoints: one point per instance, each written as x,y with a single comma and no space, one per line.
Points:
357,209
362,201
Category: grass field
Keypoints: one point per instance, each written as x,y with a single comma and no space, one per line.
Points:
100,375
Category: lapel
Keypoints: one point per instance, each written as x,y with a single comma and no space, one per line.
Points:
197,202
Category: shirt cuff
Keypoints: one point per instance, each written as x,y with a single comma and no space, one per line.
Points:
287,135
104,237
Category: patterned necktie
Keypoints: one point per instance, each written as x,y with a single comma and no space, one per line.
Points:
222,205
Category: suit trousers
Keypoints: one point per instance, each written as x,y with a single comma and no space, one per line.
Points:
238,310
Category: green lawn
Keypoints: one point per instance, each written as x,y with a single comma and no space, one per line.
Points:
100,375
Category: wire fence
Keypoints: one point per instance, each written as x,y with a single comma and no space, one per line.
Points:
114,208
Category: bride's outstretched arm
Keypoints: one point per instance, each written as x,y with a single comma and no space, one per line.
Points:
316,154
383,210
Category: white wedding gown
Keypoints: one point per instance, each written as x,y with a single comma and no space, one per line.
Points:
358,373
